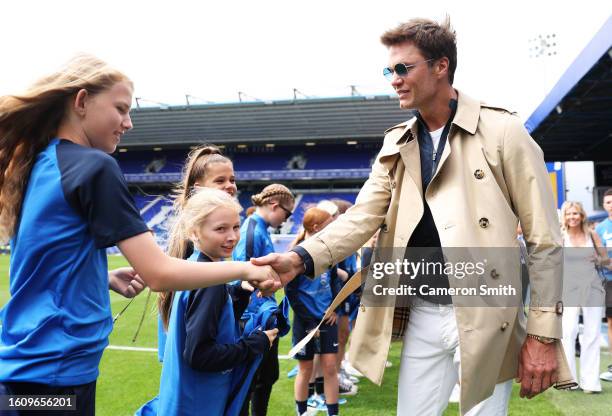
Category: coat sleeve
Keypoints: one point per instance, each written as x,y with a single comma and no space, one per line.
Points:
352,229
533,202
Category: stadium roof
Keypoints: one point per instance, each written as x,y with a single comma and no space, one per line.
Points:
298,121
574,122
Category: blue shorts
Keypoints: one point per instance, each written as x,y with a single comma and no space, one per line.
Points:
325,343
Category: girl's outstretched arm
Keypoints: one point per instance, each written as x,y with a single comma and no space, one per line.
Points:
164,273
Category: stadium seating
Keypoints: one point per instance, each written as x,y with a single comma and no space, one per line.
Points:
284,164
156,210
282,159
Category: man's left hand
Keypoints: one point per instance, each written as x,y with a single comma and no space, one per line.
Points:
126,282
537,368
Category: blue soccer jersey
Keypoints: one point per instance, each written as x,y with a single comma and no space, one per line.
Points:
254,241
56,324
310,298
604,229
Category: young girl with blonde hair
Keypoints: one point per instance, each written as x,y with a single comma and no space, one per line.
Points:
63,201
204,343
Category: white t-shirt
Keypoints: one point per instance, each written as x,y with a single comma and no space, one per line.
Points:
435,138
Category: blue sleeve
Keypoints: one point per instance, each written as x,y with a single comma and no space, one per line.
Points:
240,298
262,244
335,285
292,293
245,249
335,282
601,229
96,189
201,350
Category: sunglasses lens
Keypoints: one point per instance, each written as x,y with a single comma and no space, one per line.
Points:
388,73
401,69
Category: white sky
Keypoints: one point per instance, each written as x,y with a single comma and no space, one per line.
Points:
212,49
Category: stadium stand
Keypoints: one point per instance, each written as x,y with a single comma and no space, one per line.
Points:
319,148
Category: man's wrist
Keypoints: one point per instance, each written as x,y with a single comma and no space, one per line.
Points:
305,261
297,262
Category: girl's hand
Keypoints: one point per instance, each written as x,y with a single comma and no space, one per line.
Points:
332,319
271,334
126,282
246,286
263,278
287,265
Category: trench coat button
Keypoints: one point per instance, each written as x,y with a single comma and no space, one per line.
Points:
393,184
362,307
494,274
504,326
479,174
384,228
483,222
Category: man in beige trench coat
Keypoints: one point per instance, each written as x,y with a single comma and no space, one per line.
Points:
486,174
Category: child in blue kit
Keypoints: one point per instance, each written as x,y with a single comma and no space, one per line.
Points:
309,299
204,345
274,205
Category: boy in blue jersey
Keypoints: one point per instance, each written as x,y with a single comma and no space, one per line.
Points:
604,229
309,299
274,205
204,345
63,201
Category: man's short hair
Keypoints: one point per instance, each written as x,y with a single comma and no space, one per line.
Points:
434,40
608,193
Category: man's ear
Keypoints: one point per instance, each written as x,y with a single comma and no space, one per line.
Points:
80,102
442,66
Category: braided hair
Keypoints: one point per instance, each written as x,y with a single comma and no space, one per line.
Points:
273,193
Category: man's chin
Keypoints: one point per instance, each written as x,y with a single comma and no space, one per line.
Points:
406,105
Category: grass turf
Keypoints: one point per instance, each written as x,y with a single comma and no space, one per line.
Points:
130,378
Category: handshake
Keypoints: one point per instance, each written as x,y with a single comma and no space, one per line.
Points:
270,273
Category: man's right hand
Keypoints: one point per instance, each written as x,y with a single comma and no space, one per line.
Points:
263,278
287,265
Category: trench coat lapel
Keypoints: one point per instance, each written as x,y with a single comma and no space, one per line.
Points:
466,118
404,142
411,157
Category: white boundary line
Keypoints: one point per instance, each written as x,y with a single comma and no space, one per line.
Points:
122,348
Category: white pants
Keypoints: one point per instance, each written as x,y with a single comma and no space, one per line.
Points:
589,344
430,366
